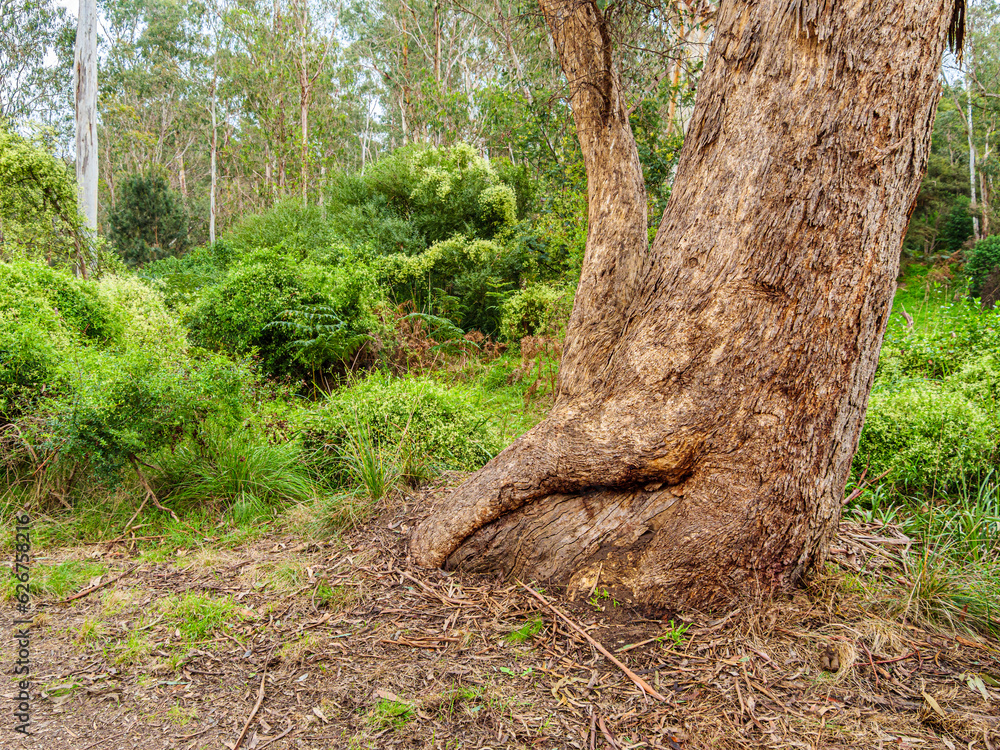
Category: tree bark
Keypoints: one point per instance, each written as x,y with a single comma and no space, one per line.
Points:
713,387
85,81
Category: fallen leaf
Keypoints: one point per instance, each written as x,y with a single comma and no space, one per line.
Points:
932,703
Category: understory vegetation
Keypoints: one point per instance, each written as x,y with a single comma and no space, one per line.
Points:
320,360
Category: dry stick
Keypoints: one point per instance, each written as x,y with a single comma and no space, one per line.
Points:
643,685
262,745
92,589
256,708
432,592
149,490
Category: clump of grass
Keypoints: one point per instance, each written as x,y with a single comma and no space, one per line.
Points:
181,715
340,512
91,631
526,632
57,581
236,468
197,616
134,650
370,465
286,576
389,714
336,597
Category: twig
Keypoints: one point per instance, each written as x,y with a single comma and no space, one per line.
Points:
871,661
641,683
149,491
262,745
92,589
432,592
256,708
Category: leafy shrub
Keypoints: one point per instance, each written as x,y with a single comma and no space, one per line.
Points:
941,349
288,226
263,304
126,405
414,417
984,258
38,212
931,439
45,316
957,227
538,309
37,290
148,221
182,279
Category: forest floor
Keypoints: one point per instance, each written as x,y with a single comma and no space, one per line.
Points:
284,642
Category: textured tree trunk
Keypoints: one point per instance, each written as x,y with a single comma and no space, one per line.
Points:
713,387
85,80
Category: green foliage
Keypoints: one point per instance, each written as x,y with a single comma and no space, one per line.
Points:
236,469
943,190
408,417
121,406
38,214
983,259
538,309
319,334
45,315
290,227
957,333
526,632
182,279
929,438
957,227
319,314
148,220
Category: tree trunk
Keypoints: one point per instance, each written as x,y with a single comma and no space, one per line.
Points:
712,387
85,79
215,151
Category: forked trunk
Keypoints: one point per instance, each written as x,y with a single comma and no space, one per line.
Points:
713,386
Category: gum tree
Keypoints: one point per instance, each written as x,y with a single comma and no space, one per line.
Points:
713,385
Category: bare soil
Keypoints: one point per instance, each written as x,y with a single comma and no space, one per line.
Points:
360,650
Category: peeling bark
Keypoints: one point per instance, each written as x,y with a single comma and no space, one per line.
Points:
713,386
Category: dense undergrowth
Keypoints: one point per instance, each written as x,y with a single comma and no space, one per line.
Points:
316,359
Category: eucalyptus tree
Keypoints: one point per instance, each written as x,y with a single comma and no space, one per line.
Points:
713,384
36,40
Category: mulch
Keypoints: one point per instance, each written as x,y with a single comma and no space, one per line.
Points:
409,658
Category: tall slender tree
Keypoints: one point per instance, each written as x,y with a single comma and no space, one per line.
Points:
85,80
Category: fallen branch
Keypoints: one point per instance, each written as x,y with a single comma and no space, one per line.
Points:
253,713
92,589
641,683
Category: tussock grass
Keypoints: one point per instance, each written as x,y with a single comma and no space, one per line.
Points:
236,469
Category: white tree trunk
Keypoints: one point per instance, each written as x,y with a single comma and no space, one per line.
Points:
215,149
85,78
972,157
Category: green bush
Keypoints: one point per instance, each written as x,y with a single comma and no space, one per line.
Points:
984,258
37,290
289,226
264,302
538,309
417,419
126,405
960,332
38,212
182,279
930,438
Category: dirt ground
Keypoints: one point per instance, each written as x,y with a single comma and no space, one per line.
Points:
340,644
